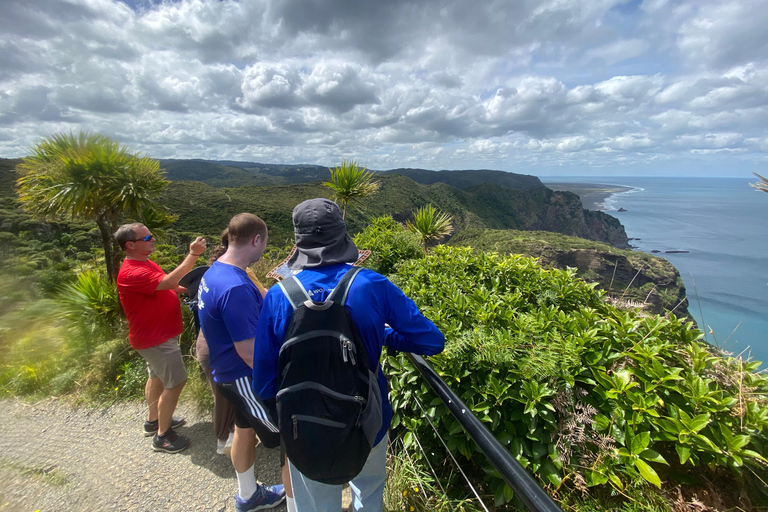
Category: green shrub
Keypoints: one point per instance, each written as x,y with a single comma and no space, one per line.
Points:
581,394
50,280
390,244
92,307
132,377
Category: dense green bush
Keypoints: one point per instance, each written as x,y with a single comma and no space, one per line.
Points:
582,394
390,244
92,308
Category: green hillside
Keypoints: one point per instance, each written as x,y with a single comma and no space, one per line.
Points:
227,173
470,178
7,177
241,174
208,209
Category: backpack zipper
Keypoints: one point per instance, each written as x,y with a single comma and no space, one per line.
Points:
320,389
312,419
347,349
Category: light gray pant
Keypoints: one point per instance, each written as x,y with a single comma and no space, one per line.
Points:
367,487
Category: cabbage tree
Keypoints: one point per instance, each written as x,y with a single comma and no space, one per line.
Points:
91,177
430,224
762,184
350,183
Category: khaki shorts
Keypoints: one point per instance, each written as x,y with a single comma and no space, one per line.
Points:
164,363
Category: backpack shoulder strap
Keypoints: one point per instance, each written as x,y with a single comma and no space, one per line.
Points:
340,292
293,291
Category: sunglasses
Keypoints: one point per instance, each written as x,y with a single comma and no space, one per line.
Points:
144,239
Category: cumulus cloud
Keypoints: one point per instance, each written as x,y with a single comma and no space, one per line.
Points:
445,84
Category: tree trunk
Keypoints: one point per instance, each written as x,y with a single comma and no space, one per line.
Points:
110,256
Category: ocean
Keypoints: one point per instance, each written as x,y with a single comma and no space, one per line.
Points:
723,224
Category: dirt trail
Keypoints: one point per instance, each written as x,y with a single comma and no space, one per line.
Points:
56,458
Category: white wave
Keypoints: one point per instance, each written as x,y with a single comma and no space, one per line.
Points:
611,202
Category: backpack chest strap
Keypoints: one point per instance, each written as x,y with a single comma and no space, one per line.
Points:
296,294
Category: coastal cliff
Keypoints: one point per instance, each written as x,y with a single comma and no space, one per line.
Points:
630,278
592,225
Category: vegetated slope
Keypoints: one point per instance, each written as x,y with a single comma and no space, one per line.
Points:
227,173
241,174
634,276
202,208
8,177
207,209
469,178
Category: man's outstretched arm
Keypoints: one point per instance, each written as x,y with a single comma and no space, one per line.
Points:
171,280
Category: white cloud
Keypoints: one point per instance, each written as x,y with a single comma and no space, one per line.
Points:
618,51
723,34
439,83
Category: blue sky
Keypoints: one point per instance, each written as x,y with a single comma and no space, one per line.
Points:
551,87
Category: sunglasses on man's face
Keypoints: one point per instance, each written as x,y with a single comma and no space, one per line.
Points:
144,239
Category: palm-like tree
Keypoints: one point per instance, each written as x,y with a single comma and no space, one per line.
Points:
762,184
349,183
91,177
430,224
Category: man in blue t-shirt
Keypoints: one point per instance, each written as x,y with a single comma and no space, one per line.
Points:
228,305
323,254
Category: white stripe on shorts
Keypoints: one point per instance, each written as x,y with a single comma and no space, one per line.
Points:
257,411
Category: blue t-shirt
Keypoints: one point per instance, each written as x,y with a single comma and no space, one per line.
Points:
372,302
228,305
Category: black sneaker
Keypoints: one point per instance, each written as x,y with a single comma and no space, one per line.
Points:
150,427
170,442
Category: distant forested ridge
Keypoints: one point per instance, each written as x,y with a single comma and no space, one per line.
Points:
475,199
468,179
226,173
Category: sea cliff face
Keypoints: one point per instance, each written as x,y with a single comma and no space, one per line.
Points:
631,278
653,282
565,214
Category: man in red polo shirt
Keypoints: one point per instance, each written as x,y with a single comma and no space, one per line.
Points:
149,298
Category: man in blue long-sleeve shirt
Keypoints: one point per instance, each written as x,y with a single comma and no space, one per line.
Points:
324,253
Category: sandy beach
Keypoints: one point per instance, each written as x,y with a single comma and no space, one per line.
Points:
593,195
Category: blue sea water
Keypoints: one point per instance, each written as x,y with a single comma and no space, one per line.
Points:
723,222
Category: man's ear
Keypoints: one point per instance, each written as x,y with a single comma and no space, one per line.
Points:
256,240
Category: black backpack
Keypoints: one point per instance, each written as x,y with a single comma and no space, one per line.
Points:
328,403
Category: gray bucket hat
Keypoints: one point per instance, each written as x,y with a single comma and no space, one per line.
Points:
321,236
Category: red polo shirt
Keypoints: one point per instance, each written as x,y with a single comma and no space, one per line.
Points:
154,316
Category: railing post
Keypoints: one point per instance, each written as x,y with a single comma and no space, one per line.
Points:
525,487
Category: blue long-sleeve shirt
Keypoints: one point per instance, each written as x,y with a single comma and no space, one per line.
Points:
372,302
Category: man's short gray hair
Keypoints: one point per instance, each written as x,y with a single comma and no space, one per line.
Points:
126,233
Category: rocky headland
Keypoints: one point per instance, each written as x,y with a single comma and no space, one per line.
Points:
632,279
592,195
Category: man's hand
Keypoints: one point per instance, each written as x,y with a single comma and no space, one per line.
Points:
197,248
171,280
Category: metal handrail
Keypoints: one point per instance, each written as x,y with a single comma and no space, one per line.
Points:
525,487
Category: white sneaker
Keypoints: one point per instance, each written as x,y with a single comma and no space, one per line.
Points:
225,447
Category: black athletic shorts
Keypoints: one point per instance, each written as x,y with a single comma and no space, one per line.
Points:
249,411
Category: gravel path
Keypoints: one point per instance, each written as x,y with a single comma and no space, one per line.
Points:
57,458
